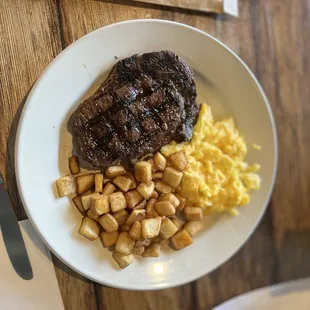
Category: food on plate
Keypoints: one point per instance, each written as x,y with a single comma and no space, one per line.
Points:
84,182
89,228
74,165
66,185
99,181
147,101
181,239
109,239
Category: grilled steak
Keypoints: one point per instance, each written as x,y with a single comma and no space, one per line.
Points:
147,101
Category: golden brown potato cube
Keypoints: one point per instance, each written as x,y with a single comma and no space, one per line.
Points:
165,208
151,161
89,228
66,185
140,205
158,239
108,189
117,201
143,243
167,229
136,231
146,190
150,208
132,178
92,215
193,227
143,171
100,204
124,244
123,260
160,161
114,171
74,165
151,227
84,182
157,176
162,187
193,213
138,251
183,202
181,239
172,177
132,198
125,228
123,183
154,195
109,239
178,160
152,251
108,222
177,222
135,216
171,198
86,200
121,217
78,203
99,182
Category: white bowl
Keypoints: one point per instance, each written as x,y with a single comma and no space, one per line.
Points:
43,146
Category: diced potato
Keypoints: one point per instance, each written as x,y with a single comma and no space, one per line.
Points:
92,215
154,195
86,200
74,165
133,198
183,202
193,227
151,227
135,216
143,243
114,171
99,182
143,171
151,161
152,250
150,208
157,239
171,198
78,203
132,178
167,229
157,176
124,244
123,260
109,239
100,204
66,185
178,160
165,208
160,161
108,189
125,228
138,251
162,187
117,201
121,217
193,213
172,177
140,205
177,222
89,228
84,182
108,222
181,239
123,183
146,190
136,231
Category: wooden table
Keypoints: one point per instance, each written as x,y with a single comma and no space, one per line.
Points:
273,38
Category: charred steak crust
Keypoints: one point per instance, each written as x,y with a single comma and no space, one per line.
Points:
147,101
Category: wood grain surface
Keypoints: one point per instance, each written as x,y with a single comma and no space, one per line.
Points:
273,38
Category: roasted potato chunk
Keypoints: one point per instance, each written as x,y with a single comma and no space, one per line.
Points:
171,198
133,198
109,239
162,187
152,251
84,182
113,171
143,171
125,228
108,222
74,165
140,205
193,213
121,217
138,251
143,243
177,222
108,189
86,200
89,228
172,177
146,190
157,176
167,229
183,202
117,201
66,185
150,208
154,195
132,178
99,178
160,161
136,231
78,203
165,208
151,161
135,216
124,244
181,239
178,160
90,213
123,260
151,227
100,204
193,227
123,183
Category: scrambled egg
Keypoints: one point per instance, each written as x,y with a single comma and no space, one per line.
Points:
217,177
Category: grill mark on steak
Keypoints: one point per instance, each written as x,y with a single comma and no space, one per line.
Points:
146,101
